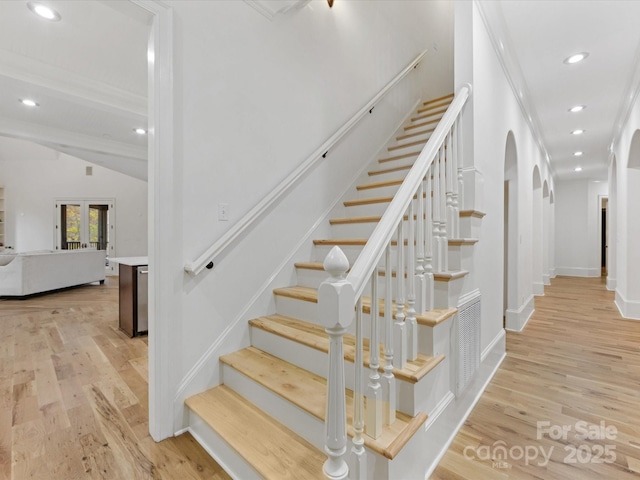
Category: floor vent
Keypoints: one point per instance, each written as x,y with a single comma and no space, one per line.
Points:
468,340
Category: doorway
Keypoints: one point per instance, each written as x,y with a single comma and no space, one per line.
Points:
604,235
85,223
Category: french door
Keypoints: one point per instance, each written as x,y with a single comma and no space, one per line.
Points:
85,223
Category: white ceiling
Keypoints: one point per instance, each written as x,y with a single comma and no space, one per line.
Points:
536,37
88,73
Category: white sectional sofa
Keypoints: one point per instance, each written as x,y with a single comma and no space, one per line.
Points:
36,272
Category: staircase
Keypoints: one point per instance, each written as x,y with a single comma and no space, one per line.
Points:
269,417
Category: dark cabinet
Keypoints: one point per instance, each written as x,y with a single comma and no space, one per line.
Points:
133,287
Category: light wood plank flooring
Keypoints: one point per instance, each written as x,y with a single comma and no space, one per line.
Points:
73,395
576,365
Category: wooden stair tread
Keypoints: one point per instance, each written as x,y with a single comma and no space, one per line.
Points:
405,145
415,134
389,170
438,99
381,184
308,392
314,336
310,294
350,220
421,124
472,213
438,277
428,114
463,241
399,157
271,448
367,201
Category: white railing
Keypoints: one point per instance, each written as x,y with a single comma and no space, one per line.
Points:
429,199
207,258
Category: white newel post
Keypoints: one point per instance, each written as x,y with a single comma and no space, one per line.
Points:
455,180
336,300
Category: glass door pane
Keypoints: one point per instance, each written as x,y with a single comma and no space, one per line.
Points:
71,226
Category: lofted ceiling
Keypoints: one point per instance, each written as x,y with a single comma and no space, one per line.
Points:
533,38
88,75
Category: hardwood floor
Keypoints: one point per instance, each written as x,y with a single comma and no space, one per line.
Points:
575,368
73,395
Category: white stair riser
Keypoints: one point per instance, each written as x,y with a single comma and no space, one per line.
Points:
470,227
382,177
317,362
400,162
447,294
301,422
460,257
366,210
294,308
353,230
388,191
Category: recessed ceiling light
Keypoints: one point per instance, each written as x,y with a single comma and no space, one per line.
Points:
577,108
577,169
44,11
140,131
577,154
28,102
578,57
577,132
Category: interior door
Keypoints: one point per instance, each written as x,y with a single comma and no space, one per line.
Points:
85,223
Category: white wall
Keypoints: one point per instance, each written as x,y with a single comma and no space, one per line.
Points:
253,99
494,99
578,228
627,222
34,176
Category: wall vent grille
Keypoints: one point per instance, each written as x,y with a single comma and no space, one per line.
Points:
468,340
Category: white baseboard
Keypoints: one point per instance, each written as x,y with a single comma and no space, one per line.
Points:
579,272
611,283
628,308
517,319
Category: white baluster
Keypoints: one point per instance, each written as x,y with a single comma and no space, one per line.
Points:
388,379
400,333
460,162
449,181
358,454
373,422
456,207
444,243
428,244
437,250
419,272
411,324
336,299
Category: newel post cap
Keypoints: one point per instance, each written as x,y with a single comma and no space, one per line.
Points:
336,296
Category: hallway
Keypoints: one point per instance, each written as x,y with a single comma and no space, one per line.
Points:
568,391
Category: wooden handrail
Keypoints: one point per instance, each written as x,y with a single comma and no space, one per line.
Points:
206,259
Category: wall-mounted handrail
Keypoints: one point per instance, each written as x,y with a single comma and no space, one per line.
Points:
206,259
372,252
